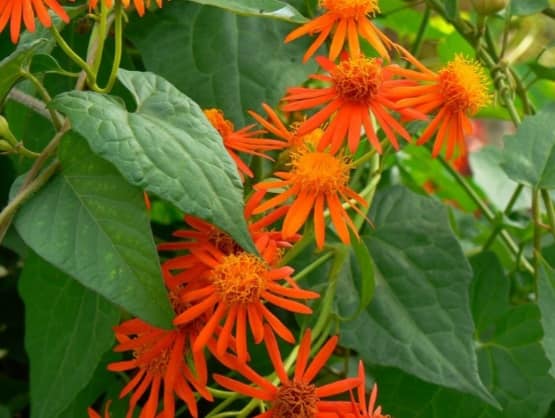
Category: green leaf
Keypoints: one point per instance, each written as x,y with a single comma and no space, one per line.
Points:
261,8
68,329
367,274
166,147
43,63
10,67
542,71
511,360
529,155
419,319
91,224
4,412
528,7
220,59
546,303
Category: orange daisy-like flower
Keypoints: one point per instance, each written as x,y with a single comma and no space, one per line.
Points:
296,397
349,18
458,91
361,408
244,140
317,180
359,88
160,364
17,11
235,289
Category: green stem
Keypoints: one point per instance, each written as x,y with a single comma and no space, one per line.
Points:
91,78
8,212
312,266
415,48
101,31
56,120
506,212
536,216
118,49
548,203
300,246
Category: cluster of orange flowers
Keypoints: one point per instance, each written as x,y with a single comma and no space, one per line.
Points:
222,294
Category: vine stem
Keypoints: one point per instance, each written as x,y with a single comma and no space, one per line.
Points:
56,119
548,203
536,216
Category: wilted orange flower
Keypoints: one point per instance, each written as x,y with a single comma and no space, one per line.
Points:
317,180
458,91
296,397
93,414
161,366
359,88
348,19
244,140
235,289
17,11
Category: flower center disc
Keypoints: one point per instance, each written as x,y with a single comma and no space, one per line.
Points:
156,366
463,85
239,278
358,80
222,125
295,400
351,8
319,172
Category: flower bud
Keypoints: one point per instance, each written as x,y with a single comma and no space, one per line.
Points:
488,7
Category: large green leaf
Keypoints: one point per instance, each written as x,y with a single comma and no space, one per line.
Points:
529,155
419,319
10,67
68,329
511,360
261,8
166,147
546,303
220,59
91,224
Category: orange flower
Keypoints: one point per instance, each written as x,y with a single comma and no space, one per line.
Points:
140,5
349,18
17,11
232,289
93,414
458,91
317,180
159,357
359,88
361,408
94,3
243,140
297,397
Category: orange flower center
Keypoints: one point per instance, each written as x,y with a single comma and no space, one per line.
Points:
346,9
156,366
464,86
295,400
358,80
222,125
239,278
319,172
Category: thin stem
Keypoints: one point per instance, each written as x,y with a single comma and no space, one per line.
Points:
118,49
506,28
30,102
536,216
488,213
101,29
8,212
506,212
549,12
364,158
312,266
91,78
56,119
415,48
548,203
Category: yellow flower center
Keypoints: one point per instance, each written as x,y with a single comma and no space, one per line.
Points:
222,125
295,400
464,85
239,278
319,172
358,80
351,8
310,140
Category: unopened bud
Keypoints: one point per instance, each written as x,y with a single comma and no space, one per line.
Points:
488,7
5,146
